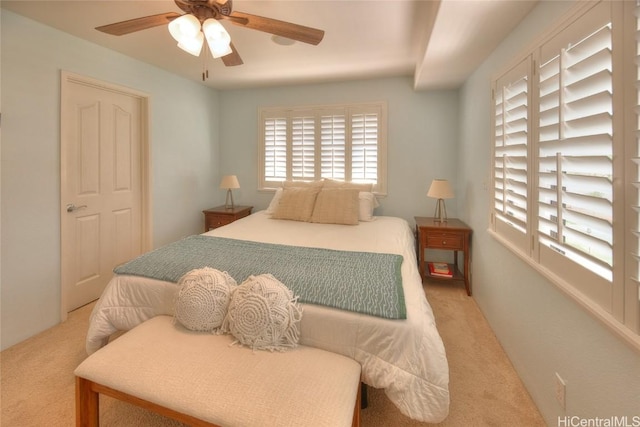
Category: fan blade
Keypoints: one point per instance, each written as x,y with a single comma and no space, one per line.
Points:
138,24
233,58
279,28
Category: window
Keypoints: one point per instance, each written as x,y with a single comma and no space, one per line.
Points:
561,181
310,143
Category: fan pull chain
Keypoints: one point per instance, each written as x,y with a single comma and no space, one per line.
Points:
205,60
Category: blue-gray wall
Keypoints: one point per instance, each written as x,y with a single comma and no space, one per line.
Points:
421,137
184,149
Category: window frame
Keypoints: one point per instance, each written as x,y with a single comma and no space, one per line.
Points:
616,306
288,114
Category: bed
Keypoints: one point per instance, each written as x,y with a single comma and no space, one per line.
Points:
405,357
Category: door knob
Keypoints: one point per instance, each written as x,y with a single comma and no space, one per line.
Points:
71,207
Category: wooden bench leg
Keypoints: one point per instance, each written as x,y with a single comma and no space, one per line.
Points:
88,408
87,404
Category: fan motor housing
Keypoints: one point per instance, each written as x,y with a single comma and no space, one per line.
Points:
205,9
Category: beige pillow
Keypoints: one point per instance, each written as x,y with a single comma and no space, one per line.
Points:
296,203
333,183
337,206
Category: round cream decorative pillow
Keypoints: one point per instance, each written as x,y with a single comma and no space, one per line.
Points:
203,298
264,314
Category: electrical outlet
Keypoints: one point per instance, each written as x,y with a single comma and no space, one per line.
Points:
561,391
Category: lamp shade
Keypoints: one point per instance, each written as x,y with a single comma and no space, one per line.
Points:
440,189
229,181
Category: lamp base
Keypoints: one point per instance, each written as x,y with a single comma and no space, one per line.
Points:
440,214
226,202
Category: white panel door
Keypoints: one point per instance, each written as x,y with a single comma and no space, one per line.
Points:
101,186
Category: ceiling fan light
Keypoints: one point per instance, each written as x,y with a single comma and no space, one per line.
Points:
213,30
218,38
186,26
192,45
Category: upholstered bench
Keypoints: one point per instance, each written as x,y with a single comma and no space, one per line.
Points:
202,380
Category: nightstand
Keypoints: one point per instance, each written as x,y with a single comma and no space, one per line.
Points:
451,235
219,216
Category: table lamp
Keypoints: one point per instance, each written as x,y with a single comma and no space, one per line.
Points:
440,189
229,182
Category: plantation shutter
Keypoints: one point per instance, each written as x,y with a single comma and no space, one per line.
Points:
342,142
303,147
333,143
510,153
364,147
575,185
275,148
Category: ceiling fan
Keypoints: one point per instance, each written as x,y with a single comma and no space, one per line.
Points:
185,28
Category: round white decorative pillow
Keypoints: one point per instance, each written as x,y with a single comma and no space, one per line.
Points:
264,314
203,298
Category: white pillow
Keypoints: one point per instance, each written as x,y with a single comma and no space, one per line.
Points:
275,201
368,202
202,299
263,314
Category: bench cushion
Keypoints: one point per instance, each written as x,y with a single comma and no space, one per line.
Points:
202,375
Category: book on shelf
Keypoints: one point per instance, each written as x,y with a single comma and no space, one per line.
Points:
440,269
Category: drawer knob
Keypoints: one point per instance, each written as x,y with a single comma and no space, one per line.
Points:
444,242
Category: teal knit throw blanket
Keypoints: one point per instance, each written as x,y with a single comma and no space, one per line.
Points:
363,282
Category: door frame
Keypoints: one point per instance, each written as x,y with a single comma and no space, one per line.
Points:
66,79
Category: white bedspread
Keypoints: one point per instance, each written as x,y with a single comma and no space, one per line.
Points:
404,357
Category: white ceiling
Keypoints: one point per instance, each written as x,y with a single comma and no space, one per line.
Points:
439,43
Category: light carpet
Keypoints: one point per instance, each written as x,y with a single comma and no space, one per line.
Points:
38,386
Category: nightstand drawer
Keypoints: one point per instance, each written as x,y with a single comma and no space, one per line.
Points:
444,240
215,221
221,215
